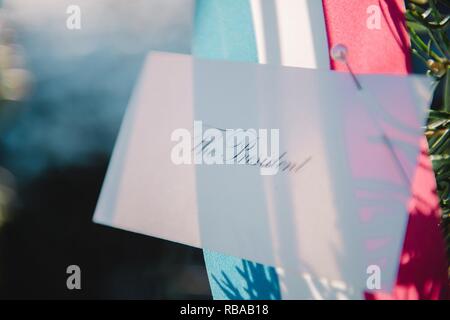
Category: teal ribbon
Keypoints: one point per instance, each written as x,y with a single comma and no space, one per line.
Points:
223,29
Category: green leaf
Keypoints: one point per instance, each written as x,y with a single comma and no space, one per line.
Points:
439,115
443,24
441,144
446,92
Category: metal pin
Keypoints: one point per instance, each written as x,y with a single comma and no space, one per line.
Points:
339,53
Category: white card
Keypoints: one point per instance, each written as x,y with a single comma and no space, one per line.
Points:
341,205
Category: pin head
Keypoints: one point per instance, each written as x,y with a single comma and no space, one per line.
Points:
339,52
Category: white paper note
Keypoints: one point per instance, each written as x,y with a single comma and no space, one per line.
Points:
338,208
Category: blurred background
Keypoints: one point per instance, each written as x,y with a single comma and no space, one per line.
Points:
63,94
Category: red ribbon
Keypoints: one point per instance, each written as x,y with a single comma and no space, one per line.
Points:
377,41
